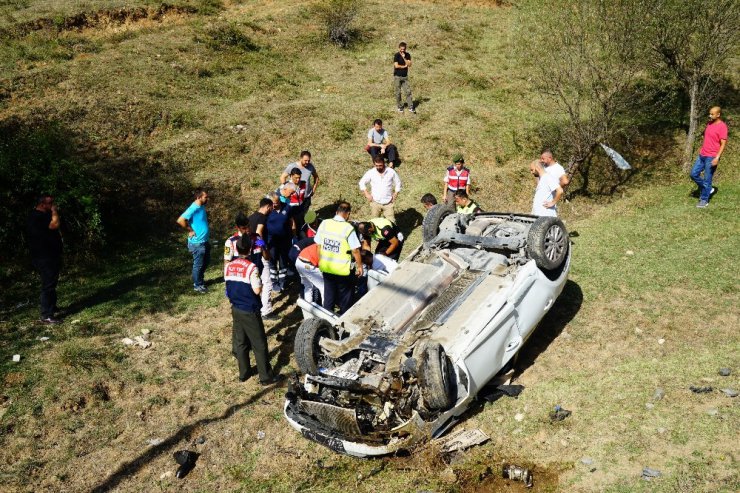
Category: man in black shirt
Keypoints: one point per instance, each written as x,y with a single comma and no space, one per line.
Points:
401,64
258,226
45,243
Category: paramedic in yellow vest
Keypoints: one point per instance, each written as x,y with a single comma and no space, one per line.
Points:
457,177
385,232
338,245
464,205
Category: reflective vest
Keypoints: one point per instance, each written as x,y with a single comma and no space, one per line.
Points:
380,223
335,256
297,197
455,182
237,275
468,209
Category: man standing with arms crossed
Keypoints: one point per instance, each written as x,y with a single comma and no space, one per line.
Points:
45,243
401,64
195,220
715,139
338,245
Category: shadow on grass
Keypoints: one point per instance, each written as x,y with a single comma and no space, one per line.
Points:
565,309
409,219
185,433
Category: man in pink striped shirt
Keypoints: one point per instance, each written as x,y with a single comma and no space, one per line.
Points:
715,138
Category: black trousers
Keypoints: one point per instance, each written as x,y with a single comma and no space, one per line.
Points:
391,153
48,269
338,291
247,333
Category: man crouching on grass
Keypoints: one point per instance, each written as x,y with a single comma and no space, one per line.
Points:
243,288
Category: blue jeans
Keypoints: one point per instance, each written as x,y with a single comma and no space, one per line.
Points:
703,164
201,257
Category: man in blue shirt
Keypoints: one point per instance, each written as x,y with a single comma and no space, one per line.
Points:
195,220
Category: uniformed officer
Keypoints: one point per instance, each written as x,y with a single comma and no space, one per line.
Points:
464,205
243,288
338,246
385,232
456,178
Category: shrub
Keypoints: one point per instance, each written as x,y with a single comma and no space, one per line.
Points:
341,130
229,36
338,17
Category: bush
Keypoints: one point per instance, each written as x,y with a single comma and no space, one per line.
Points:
229,36
338,17
38,158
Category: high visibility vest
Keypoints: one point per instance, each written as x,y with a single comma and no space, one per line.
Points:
468,209
380,223
455,182
335,256
297,197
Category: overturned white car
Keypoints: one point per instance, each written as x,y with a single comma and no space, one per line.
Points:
408,358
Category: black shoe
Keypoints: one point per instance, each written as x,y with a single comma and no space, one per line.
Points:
272,380
712,192
244,379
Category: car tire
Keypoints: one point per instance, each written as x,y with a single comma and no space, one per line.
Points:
307,350
434,217
435,376
548,243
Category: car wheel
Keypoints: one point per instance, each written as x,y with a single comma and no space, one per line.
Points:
434,373
548,243
430,225
307,349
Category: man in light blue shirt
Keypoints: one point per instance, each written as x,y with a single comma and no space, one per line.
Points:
195,220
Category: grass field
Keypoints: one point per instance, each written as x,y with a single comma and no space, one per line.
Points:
154,101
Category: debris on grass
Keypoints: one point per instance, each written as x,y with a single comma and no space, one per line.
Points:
260,435
725,372
659,394
559,414
587,461
730,392
519,417
491,393
517,473
200,440
649,474
461,440
128,342
153,442
713,412
16,358
701,390
661,341
187,460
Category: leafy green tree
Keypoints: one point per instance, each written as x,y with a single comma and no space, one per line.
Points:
693,41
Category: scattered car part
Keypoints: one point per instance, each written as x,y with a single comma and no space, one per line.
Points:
517,473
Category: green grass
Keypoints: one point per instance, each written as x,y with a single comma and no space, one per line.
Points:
152,105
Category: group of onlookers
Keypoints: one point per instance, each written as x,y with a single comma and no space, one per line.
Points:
284,240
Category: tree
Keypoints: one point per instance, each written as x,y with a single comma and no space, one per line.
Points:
693,39
586,58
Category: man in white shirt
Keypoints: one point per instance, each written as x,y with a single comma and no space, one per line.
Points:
384,185
548,191
554,168
379,143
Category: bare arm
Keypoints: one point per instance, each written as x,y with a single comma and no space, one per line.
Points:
556,199
715,161
358,262
54,224
184,223
393,245
315,182
283,177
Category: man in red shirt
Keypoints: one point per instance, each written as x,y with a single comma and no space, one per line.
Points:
715,138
